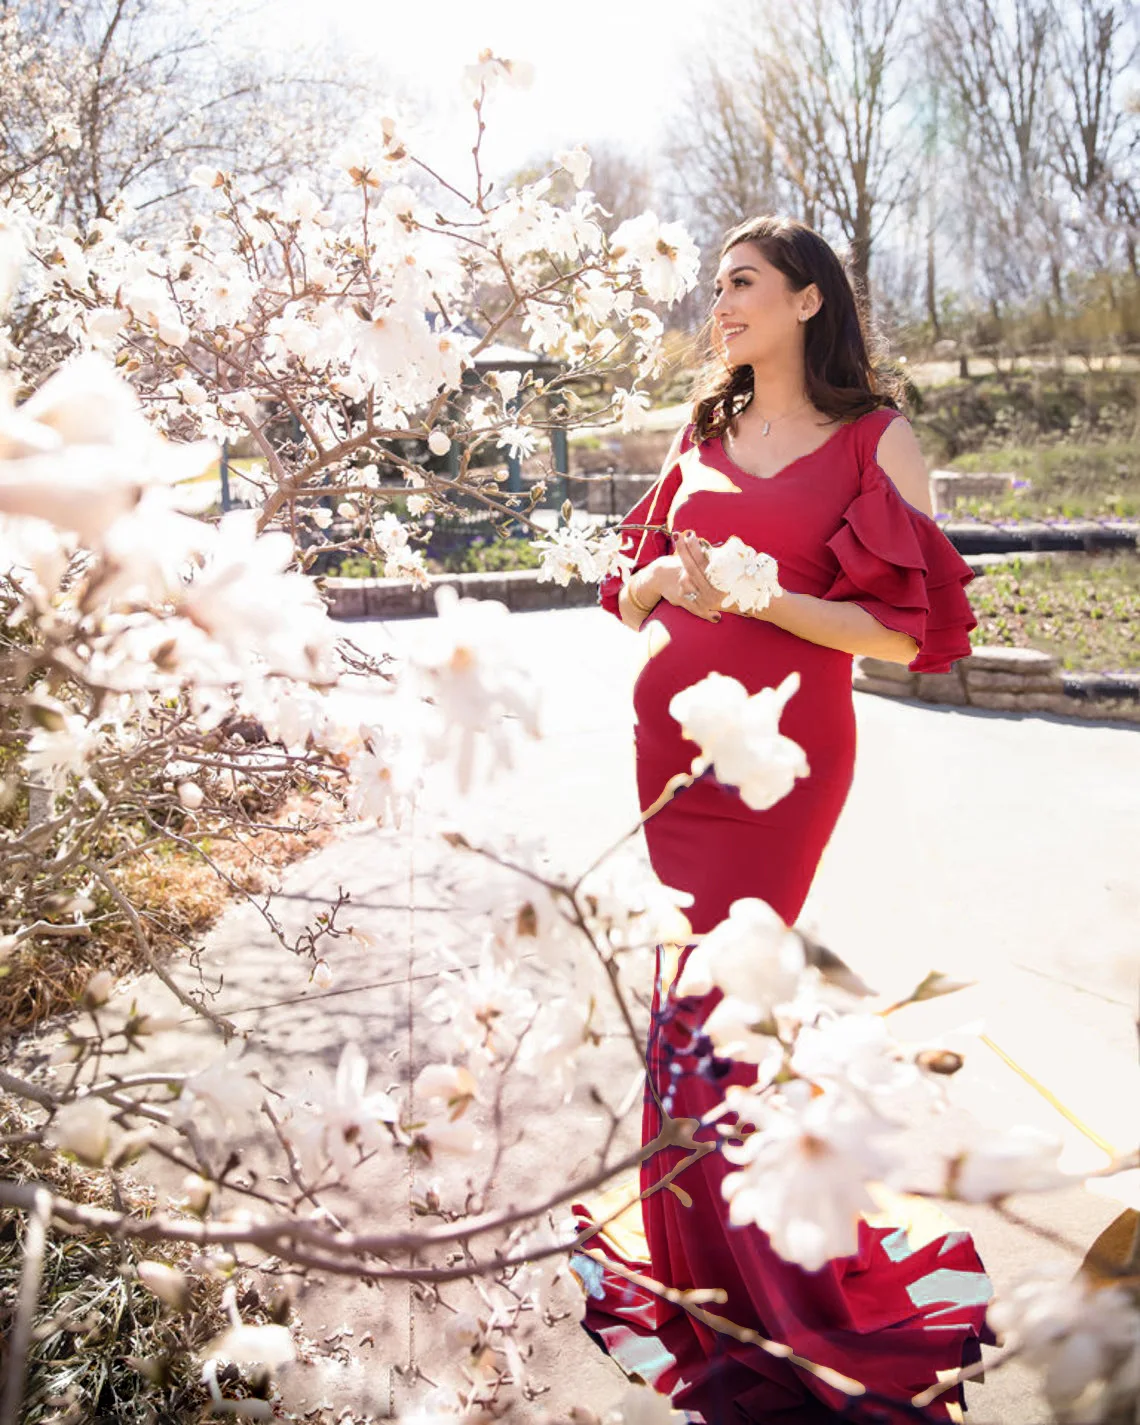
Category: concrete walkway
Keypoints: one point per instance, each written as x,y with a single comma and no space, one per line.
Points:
993,848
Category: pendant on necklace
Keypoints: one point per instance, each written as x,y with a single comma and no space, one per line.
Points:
767,427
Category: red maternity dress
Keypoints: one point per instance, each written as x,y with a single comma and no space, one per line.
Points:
900,1310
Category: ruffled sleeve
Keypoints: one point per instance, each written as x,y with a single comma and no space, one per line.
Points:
641,545
896,563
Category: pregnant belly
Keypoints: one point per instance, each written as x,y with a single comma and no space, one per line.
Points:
682,649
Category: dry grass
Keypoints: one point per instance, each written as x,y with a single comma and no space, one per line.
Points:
103,1347
178,895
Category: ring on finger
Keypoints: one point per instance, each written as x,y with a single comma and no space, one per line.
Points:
691,595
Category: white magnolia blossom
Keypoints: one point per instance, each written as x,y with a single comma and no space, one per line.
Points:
751,955
576,161
1004,1161
340,1120
578,552
750,579
83,1127
226,1091
858,1052
469,664
484,1007
664,256
1084,1339
247,1345
739,736
385,773
79,451
803,1174
628,905
630,408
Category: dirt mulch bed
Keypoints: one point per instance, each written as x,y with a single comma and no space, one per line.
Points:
1083,608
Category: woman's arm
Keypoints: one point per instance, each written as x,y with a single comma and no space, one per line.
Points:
833,624
838,625
642,580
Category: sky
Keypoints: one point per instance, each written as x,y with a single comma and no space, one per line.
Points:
604,69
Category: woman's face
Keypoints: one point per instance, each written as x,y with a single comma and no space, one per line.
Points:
756,313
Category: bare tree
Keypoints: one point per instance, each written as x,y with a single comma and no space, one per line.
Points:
997,61
127,96
806,120
1095,139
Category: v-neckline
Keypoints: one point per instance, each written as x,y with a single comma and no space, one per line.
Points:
775,475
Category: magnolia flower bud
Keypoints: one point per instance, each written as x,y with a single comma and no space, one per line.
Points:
84,1129
322,976
191,795
98,989
198,1192
167,1283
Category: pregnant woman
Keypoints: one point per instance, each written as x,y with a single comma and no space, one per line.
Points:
796,448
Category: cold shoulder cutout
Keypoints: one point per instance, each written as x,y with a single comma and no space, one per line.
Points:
895,562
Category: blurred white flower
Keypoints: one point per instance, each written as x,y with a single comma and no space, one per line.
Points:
739,736
576,161
804,1173
630,408
79,451
491,71
268,1346
439,443
751,954
750,579
450,1086
83,1127
1004,1161
506,383
485,1007
858,1050
640,1405
56,753
165,1282
225,1089
481,690
385,773
739,1029
343,1120
1084,1340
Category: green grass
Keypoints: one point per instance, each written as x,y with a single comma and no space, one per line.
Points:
1068,480
1084,608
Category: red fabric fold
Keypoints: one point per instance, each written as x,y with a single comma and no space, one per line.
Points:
896,563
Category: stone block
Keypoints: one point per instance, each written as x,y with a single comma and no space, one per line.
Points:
528,593
886,687
1012,682
883,668
995,659
941,688
997,702
345,598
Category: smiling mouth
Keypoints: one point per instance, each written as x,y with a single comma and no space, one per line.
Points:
729,332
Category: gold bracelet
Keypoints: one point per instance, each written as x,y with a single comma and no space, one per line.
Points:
643,608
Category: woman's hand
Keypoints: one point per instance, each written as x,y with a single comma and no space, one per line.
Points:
680,579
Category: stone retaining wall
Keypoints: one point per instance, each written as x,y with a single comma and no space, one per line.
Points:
1019,680
1003,679
519,589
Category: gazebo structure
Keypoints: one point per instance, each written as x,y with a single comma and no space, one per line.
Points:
501,357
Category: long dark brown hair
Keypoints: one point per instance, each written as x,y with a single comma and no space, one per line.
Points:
839,377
